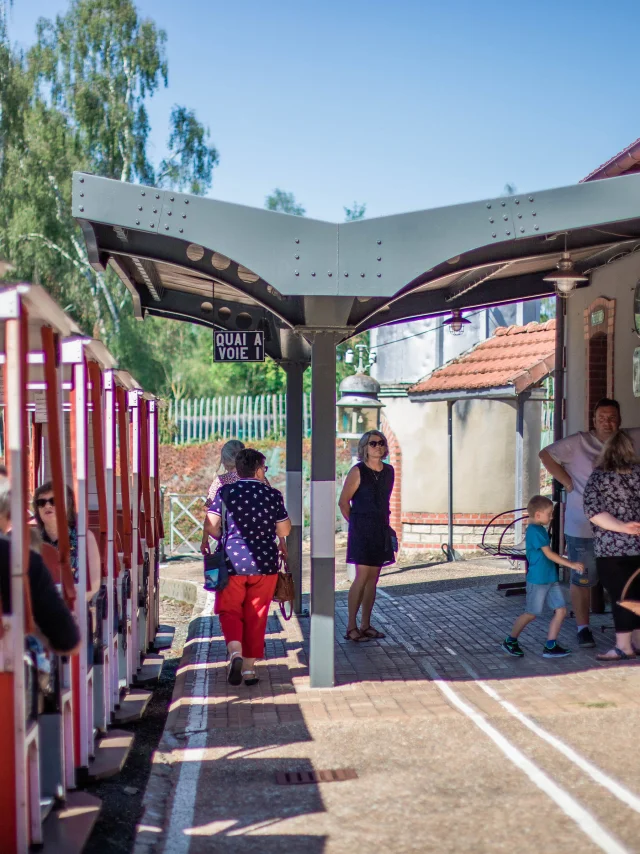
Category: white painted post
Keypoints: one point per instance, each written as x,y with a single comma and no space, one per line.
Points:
226,414
238,405
182,439
305,415
281,414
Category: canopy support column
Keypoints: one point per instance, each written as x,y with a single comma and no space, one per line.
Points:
323,507
295,373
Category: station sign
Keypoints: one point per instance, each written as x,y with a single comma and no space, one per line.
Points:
238,346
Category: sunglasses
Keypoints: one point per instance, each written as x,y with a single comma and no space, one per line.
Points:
377,443
42,502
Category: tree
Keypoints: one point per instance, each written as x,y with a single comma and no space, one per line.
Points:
355,212
83,90
283,202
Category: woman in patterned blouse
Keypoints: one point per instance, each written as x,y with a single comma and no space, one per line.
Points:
612,505
255,515
230,451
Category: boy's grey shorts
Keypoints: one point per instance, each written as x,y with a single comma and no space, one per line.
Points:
539,594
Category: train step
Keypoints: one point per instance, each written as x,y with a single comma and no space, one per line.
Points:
132,706
68,828
150,670
111,753
164,637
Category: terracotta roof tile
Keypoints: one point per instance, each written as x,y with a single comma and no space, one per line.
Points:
519,356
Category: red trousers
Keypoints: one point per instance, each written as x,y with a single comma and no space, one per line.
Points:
243,607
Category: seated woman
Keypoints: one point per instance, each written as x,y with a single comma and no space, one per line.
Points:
55,622
612,505
45,516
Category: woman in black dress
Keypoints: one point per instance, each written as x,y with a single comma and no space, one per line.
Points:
364,503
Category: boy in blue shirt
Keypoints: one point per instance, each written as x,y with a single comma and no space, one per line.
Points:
542,581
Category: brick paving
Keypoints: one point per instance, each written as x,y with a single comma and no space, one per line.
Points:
387,679
428,780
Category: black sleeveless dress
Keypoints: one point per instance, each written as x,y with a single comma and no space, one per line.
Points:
369,540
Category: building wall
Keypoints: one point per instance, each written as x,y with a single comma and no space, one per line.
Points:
615,281
406,352
483,452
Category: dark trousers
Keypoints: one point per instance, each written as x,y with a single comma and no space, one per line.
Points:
614,573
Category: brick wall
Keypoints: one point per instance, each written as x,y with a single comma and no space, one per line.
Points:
429,531
395,458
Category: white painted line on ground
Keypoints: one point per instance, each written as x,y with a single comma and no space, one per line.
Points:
384,594
569,806
617,789
184,800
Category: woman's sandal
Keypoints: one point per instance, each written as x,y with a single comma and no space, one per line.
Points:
252,680
620,655
372,633
234,674
356,636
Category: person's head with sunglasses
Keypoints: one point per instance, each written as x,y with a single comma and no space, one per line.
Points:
44,510
251,464
372,447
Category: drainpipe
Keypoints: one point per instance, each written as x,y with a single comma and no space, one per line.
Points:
450,552
558,413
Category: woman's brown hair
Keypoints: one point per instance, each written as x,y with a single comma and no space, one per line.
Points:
72,517
618,454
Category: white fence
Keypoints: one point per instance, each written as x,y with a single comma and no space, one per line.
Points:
262,416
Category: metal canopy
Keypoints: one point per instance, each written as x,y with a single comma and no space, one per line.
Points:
236,267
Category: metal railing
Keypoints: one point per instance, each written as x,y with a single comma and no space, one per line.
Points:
185,530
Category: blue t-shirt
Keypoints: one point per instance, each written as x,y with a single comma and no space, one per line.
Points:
541,569
253,509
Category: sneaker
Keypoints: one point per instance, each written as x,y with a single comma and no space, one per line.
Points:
556,651
512,647
585,639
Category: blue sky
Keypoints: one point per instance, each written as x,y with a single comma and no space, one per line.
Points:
402,105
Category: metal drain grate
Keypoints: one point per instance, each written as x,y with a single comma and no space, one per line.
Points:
300,778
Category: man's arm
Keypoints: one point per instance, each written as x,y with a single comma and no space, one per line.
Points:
556,470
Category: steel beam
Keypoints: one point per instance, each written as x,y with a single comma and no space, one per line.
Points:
323,508
295,372
369,258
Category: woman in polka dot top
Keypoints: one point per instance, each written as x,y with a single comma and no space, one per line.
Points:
255,517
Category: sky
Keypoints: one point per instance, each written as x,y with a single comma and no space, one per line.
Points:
400,105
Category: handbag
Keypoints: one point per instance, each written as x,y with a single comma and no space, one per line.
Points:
216,568
630,604
394,540
285,591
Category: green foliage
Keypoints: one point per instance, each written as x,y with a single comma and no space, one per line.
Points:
77,101
192,160
355,212
283,202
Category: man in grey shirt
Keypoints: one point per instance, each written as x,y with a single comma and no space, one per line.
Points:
570,461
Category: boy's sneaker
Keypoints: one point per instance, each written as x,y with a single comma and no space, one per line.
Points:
512,647
555,651
585,638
